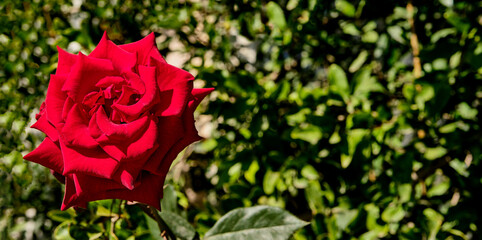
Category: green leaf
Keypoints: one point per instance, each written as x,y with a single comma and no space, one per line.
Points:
93,236
427,92
298,117
270,180
465,111
260,222
314,194
349,28
354,137
365,83
179,226
250,174
442,34
460,167
457,21
310,133
276,15
61,232
345,7
393,213
338,81
359,61
439,189
62,216
434,221
396,33
434,153
405,192
370,37
169,199
153,228
345,217
309,172
292,4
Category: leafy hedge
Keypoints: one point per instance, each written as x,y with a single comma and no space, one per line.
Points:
360,117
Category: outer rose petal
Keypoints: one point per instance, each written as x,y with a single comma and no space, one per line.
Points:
171,130
90,184
86,72
91,162
43,125
148,192
66,61
128,173
175,85
48,155
191,134
68,105
55,99
145,48
58,176
122,60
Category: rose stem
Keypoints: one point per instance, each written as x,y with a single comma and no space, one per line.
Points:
166,232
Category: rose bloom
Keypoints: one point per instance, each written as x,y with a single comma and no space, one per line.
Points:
115,120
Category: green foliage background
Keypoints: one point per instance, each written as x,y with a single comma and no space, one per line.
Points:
316,110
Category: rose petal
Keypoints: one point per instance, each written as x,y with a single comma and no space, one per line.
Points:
44,125
93,162
92,99
75,132
122,60
110,80
58,176
48,155
124,178
86,72
55,98
175,86
125,142
69,195
150,97
135,82
69,103
145,48
171,130
120,132
190,135
66,61
90,184
150,193
126,96
128,174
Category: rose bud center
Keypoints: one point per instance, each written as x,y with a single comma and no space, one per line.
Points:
111,90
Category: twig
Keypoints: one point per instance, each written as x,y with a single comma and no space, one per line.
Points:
166,232
417,65
113,220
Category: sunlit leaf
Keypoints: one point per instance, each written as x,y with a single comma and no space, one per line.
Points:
345,7
179,226
260,222
310,133
393,213
276,15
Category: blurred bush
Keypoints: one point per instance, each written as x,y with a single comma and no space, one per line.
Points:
361,117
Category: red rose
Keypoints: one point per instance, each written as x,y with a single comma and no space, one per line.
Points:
115,120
